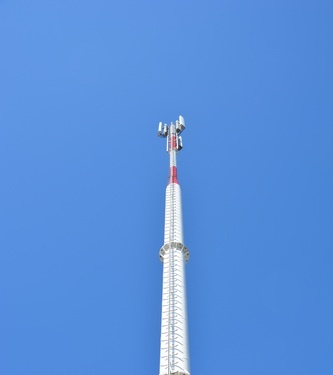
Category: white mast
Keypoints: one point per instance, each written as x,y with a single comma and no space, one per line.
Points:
174,351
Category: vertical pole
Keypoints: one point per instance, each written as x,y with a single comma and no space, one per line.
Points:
174,353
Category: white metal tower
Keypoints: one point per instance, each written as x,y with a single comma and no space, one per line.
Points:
174,351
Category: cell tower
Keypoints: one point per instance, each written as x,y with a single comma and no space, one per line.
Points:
174,351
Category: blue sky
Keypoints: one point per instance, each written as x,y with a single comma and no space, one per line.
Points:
83,85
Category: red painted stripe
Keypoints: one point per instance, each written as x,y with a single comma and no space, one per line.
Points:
173,175
173,142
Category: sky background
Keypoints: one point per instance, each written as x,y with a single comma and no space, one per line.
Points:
83,85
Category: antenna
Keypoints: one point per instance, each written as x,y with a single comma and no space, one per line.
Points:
174,351
172,133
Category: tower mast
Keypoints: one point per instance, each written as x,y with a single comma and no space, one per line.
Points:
174,351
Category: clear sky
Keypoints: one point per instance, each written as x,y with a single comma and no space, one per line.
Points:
83,85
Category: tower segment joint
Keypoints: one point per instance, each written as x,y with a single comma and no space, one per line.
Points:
177,246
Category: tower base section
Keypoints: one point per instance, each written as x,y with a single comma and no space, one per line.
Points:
176,373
